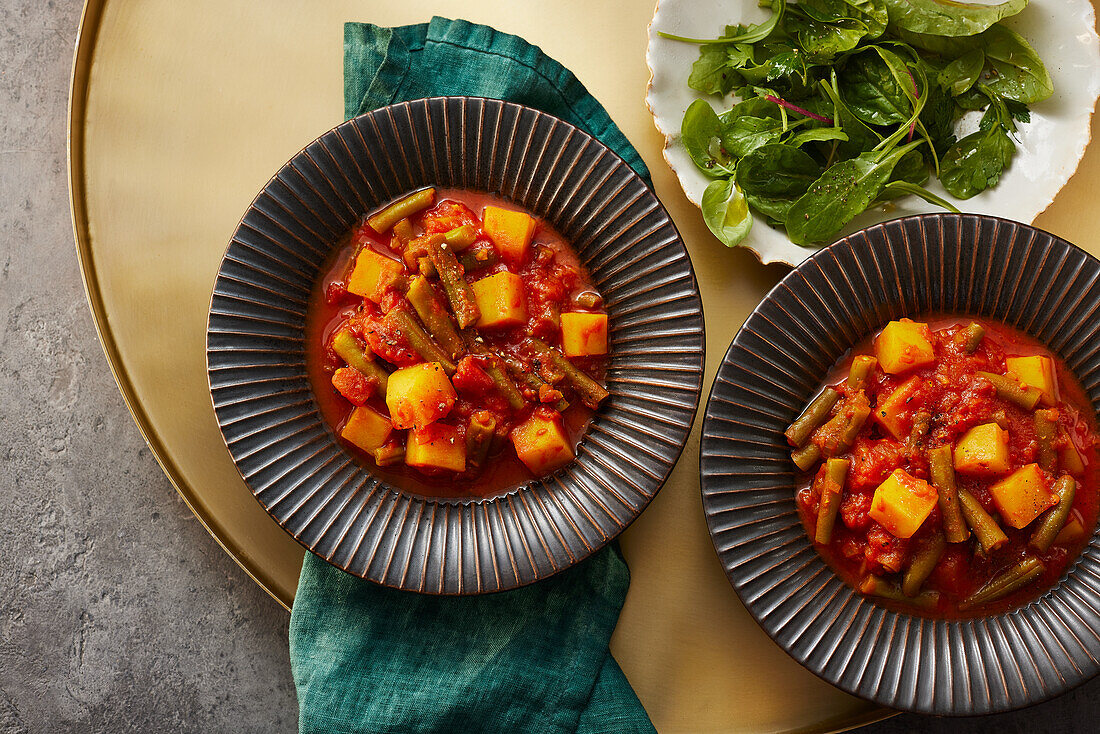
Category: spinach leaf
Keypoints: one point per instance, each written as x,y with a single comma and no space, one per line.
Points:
777,170
817,135
871,92
1015,71
843,191
774,209
895,189
911,169
949,17
745,134
861,138
701,133
872,13
976,162
960,75
823,41
710,72
726,212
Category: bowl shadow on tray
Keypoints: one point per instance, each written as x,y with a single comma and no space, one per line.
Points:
291,460
964,264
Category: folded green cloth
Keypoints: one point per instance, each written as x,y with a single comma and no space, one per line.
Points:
536,659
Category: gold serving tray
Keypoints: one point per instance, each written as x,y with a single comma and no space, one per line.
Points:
180,112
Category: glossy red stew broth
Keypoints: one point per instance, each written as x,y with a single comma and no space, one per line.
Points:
896,533
525,286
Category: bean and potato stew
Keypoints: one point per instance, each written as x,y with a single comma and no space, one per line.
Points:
453,335
948,468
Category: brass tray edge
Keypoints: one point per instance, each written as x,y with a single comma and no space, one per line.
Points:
83,55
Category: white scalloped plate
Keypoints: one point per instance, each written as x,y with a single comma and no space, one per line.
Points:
1062,32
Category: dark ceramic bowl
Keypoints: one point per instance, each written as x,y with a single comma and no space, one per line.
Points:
974,265
265,406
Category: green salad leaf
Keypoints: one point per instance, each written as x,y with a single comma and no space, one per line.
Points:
845,104
948,17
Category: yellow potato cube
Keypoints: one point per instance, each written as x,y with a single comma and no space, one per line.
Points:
1069,457
541,443
983,451
902,503
895,412
1023,495
501,301
1036,371
583,334
510,231
904,345
366,428
437,446
419,395
1073,532
373,274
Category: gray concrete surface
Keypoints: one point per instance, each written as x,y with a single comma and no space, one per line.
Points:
118,613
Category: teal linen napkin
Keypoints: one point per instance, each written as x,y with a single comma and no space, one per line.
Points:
370,659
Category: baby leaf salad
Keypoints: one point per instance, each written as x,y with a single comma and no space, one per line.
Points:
847,104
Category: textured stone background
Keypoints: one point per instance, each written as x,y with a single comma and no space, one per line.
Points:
104,626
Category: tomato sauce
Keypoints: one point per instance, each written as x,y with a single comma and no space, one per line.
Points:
950,399
553,282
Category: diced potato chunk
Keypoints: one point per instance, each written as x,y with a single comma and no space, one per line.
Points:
1023,495
419,395
501,301
366,428
541,442
895,412
1073,532
437,446
1036,371
583,334
983,451
904,345
510,231
1069,457
902,503
373,274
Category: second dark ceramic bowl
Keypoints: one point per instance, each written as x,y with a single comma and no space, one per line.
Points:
256,352
965,264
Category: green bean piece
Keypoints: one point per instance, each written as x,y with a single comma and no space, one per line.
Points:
424,266
389,454
875,586
1011,580
1012,391
476,345
459,238
1055,518
857,414
453,279
435,317
922,564
986,529
403,232
479,435
815,414
862,367
942,469
418,339
401,209
471,262
970,337
805,457
348,349
591,392
529,379
1046,429
831,487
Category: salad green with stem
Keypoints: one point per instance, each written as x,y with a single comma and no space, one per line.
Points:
848,104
